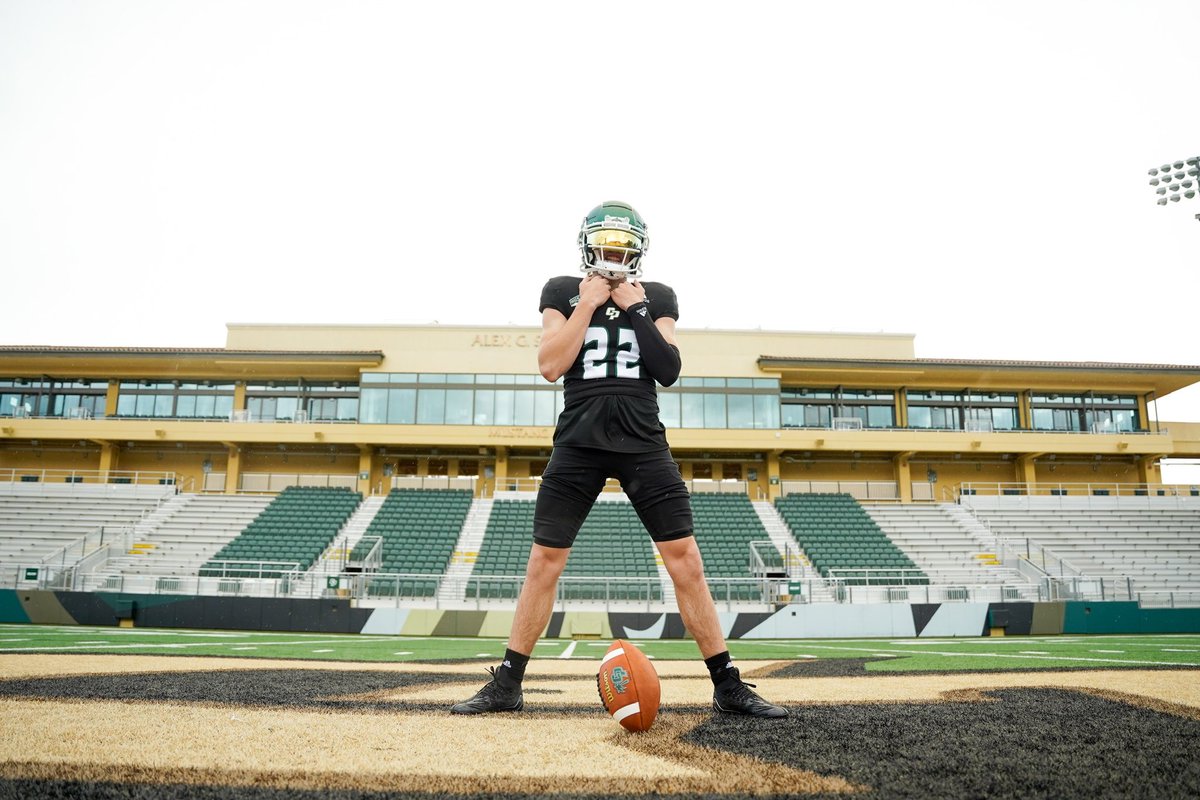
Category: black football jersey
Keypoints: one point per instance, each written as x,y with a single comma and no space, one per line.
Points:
610,401
609,361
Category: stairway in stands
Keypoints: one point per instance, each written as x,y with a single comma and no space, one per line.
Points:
798,566
466,551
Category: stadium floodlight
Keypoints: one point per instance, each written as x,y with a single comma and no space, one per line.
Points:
1176,177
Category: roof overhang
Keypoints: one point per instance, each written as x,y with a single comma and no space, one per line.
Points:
119,362
1156,379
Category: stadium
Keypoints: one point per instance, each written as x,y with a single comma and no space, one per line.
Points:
911,553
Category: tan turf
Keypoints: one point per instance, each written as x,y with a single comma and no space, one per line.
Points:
208,743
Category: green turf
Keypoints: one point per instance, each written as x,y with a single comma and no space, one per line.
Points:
885,655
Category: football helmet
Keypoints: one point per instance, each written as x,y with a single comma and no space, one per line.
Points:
613,239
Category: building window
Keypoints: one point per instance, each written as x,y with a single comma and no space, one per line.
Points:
817,407
51,397
175,399
436,398
737,403
956,411
1089,412
302,400
485,399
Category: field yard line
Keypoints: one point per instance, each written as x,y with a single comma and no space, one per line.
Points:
569,651
874,650
176,645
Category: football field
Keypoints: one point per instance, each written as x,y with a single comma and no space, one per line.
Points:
883,655
139,713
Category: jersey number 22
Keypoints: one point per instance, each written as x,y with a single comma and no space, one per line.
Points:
624,362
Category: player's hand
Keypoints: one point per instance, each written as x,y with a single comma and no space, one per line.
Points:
593,291
628,293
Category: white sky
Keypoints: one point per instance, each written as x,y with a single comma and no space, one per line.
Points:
971,173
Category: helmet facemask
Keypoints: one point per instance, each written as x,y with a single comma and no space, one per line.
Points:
615,254
613,240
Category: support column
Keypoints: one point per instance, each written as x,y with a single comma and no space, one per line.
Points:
239,396
1148,470
365,457
110,456
774,480
900,469
110,399
501,466
233,469
1027,471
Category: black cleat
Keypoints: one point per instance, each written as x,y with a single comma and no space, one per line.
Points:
733,696
492,697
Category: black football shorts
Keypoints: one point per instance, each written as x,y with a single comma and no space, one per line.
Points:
575,475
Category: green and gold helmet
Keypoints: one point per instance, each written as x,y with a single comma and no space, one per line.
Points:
613,239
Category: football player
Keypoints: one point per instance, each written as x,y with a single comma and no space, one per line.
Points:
611,337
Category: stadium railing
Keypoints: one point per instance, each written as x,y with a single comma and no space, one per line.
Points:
1072,495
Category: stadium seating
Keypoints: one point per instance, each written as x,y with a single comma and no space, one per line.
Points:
611,544
1157,547
726,524
186,532
419,528
37,520
294,529
837,534
948,545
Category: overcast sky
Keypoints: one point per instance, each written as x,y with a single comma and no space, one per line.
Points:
971,173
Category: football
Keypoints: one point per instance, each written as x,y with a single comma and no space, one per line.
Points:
628,686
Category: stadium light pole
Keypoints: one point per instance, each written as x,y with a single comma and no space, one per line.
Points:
1180,178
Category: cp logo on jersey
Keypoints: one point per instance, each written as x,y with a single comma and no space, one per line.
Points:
612,313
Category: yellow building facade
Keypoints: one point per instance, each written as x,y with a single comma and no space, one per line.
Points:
763,412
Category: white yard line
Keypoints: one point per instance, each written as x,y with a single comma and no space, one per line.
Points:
570,649
145,646
878,651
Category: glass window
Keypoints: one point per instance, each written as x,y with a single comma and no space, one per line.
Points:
431,377
714,411
694,382
460,379
880,417
692,406
431,406
485,406
668,409
741,411
543,408
222,406
206,406
286,407
145,405
506,380
458,406
523,407
347,409
793,416
404,377
919,417
402,406
164,405
186,407
375,405
766,411
1004,419
504,405
739,383
489,380
714,383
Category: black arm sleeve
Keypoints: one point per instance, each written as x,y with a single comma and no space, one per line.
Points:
659,358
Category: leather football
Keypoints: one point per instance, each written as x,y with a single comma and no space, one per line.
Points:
628,686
